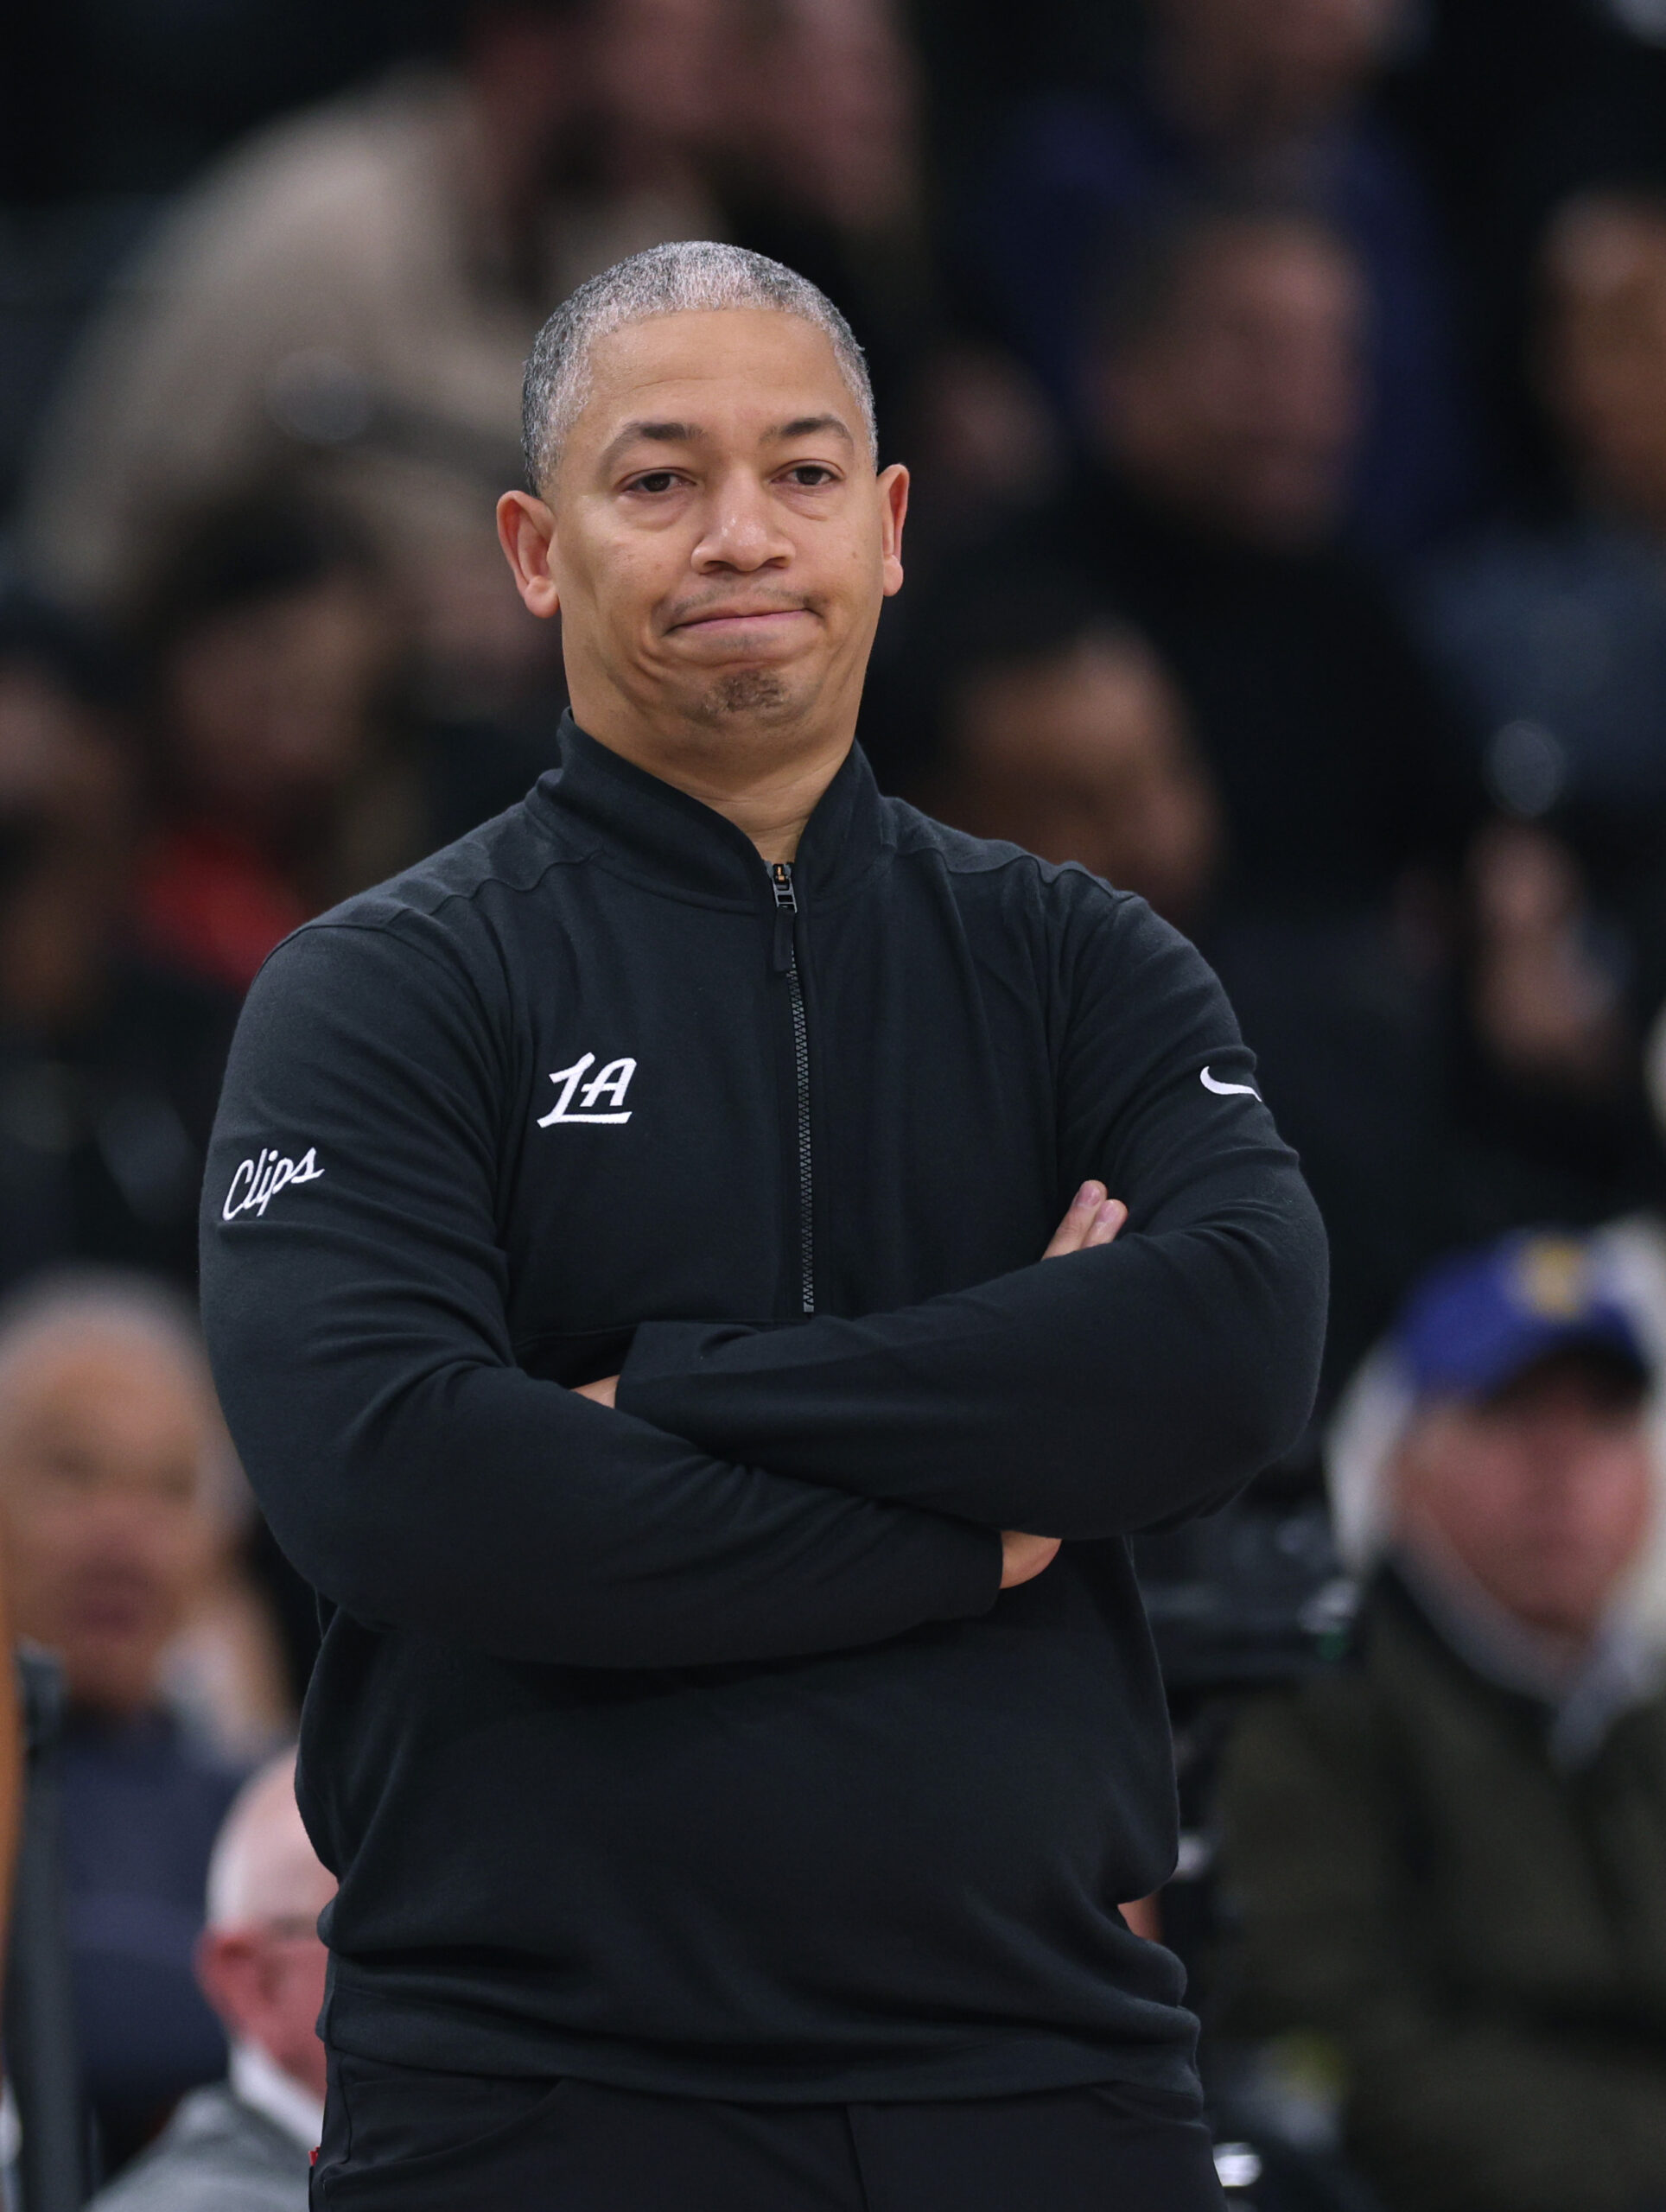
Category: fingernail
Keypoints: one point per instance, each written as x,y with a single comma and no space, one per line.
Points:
1113,1210
1090,1194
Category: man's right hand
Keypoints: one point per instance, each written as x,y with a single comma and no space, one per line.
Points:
1093,1218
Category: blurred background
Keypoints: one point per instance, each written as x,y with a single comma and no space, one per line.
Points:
1285,385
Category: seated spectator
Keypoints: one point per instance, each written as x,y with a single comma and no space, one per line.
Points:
825,172
1449,1854
247,2145
269,644
287,769
110,1059
1235,97
1227,403
1064,732
1551,630
112,1457
1546,1112
1552,626
345,302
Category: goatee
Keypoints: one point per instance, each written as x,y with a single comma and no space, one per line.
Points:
746,691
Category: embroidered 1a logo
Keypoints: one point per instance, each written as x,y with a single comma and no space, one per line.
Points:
612,1081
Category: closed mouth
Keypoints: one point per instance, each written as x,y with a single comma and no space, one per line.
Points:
738,618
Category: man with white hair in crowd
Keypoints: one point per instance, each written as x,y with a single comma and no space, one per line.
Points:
246,2145
1449,1856
113,1462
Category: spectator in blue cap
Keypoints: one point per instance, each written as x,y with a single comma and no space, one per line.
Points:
1448,1855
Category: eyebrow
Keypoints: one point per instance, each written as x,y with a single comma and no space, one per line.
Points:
662,434
806,426
689,434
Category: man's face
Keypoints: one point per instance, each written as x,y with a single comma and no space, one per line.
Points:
1085,756
103,1443
270,706
66,793
265,1979
1604,350
720,542
1542,1492
58,758
1240,407
282,1985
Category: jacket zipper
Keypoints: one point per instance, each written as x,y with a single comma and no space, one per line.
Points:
787,914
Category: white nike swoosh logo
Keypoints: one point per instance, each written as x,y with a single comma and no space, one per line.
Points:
1229,1090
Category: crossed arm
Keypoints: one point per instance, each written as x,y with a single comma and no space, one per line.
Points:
1093,1219
750,1495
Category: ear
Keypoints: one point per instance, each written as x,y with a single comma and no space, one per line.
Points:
228,1972
526,531
893,512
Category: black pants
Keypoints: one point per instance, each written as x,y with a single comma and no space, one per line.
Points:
400,2140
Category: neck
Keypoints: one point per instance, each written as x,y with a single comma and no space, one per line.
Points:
1540,1655
259,2081
766,785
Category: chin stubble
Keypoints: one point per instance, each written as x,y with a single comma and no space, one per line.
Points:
746,691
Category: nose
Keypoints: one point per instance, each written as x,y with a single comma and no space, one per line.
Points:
743,532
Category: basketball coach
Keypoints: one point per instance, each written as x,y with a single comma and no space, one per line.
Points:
636,1278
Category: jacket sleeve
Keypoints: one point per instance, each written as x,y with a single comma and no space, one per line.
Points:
353,1297
1084,1396
1453,2105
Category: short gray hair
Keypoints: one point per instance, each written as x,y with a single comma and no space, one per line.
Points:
693,276
116,1302
263,1866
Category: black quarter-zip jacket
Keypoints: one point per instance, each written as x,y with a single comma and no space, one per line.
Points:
692,1746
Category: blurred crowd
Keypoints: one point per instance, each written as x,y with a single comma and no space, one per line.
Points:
1285,386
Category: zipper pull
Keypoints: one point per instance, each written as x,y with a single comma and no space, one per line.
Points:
786,906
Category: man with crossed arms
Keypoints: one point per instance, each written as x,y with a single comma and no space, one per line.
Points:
652,1373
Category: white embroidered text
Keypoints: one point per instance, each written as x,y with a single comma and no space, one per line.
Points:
611,1082
258,1182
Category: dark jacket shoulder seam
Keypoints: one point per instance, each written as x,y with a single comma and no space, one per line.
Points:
389,924
994,866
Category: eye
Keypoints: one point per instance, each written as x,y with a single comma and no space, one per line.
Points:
810,476
655,482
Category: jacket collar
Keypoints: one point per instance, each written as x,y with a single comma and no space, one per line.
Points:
1577,1706
260,2083
647,830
